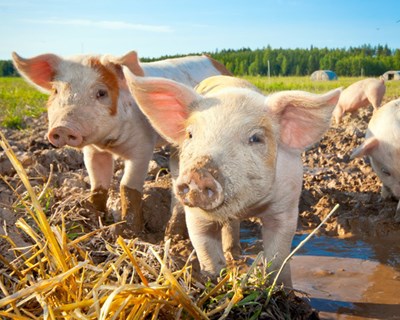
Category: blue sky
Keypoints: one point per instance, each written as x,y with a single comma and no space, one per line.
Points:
158,27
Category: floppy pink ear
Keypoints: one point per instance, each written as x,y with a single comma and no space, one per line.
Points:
303,116
39,70
165,103
366,148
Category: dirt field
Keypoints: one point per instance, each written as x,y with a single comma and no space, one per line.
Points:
330,177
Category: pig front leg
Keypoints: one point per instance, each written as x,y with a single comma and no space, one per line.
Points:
176,227
231,239
278,231
131,189
205,236
100,167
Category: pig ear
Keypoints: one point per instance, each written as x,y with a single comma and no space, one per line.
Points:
165,103
39,70
366,148
303,116
131,61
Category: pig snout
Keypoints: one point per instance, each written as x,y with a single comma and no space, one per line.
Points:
198,188
62,136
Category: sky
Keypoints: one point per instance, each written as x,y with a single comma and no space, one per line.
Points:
166,27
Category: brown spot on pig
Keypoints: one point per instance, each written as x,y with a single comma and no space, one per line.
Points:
270,141
109,78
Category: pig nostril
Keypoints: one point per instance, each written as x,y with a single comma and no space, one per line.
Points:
183,188
56,136
71,137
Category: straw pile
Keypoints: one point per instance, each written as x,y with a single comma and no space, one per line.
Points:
56,277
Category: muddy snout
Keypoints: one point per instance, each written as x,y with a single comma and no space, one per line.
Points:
61,136
198,188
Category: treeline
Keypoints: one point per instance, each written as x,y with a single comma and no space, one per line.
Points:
7,69
358,61
366,60
361,61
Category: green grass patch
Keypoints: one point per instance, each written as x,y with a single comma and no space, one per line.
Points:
18,100
273,84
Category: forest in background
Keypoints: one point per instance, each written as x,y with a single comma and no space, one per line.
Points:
361,61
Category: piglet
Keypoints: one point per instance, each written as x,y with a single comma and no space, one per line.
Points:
358,95
239,157
91,108
382,146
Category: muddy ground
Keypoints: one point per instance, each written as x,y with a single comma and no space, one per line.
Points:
330,178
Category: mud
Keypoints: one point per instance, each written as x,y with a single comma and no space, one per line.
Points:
330,178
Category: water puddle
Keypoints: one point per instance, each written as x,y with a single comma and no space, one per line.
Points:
345,278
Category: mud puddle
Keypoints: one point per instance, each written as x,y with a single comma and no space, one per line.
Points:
345,278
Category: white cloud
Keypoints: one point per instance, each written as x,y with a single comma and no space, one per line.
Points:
111,25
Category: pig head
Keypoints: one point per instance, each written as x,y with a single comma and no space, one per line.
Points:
239,154
382,146
90,107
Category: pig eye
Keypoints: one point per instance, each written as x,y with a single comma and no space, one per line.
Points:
385,171
101,94
189,132
54,90
256,138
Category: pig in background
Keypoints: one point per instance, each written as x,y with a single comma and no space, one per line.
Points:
358,95
239,157
382,146
91,108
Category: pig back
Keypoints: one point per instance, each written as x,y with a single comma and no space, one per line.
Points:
216,83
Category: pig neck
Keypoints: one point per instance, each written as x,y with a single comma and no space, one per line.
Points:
286,186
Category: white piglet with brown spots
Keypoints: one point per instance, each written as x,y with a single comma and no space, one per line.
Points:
239,157
90,107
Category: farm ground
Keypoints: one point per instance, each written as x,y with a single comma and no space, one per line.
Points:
330,177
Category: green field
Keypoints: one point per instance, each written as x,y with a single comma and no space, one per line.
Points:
304,83
19,99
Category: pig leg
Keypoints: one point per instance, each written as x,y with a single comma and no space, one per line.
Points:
375,100
338,113
205,236
176,227
132,188
231,239
278,232
100,167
